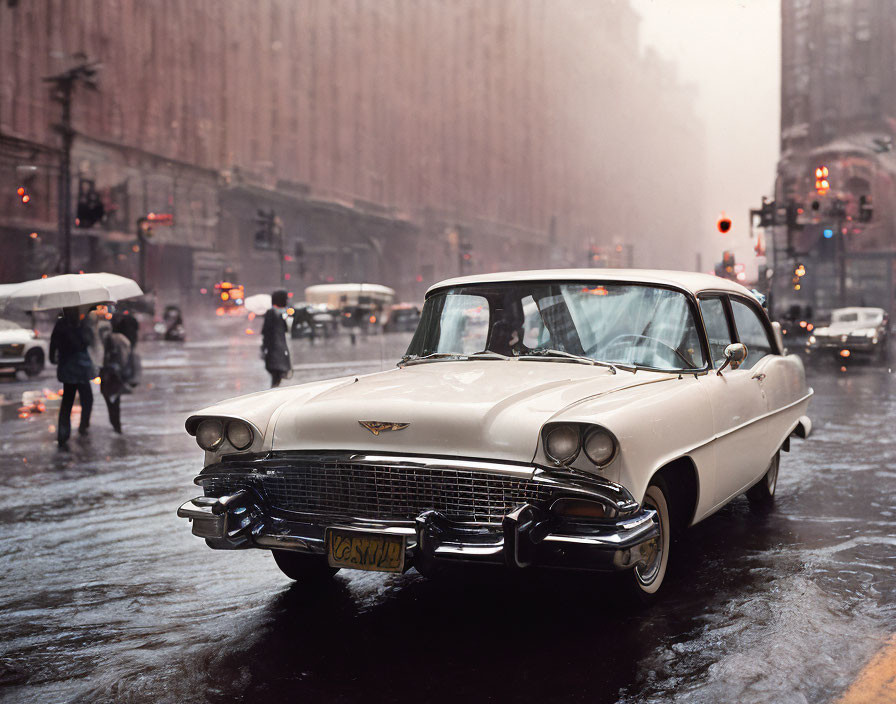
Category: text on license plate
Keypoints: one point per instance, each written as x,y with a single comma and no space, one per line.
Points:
358,550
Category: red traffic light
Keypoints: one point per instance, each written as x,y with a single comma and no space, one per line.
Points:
724,224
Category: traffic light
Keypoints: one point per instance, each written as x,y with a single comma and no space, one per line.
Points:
794,210
25,175
866,209
465,251
264,236
822,184
726,268
270,231
90,206
724,224
767,213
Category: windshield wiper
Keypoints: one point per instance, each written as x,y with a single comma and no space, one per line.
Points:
488,354
546,352
459,356
408,358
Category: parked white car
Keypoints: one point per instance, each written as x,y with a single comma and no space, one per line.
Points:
21,349
573,419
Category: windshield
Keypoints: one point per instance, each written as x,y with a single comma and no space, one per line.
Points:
845,317
628,324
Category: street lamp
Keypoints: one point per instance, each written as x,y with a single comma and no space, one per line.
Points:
63,87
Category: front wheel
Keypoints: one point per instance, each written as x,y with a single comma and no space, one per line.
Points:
645,580
309,569
764,491
34,363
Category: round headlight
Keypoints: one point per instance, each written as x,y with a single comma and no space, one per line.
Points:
210,434
599,446
811,339
561,444
239,434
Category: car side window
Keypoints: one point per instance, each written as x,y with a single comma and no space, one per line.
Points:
717,333
751,332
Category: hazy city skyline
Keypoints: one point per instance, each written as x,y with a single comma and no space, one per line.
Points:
730,51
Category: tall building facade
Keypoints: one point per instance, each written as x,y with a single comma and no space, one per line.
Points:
837,171
390,137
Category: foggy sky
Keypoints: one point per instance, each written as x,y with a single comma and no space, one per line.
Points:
730,49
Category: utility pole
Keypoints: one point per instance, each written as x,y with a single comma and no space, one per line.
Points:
64,85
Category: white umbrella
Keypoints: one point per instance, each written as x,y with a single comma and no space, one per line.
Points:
68,290
258,304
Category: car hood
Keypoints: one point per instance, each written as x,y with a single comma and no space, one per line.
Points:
492,409
9,337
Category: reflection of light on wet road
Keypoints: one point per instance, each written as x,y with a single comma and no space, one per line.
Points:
106,595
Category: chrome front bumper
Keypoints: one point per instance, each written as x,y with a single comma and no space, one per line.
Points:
527,536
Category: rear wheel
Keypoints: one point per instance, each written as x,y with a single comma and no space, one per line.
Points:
34,362
764,491
645,580
309,569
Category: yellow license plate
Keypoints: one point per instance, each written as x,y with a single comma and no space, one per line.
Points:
357,550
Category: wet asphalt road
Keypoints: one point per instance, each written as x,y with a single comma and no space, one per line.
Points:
105,595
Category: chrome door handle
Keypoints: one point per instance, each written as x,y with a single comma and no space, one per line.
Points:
759,376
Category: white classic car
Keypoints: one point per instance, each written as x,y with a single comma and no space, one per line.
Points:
570,418
21,349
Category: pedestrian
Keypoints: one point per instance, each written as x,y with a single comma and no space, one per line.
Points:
117,373
127,325
70,351
274,348
98,325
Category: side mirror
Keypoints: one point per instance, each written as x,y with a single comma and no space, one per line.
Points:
735,354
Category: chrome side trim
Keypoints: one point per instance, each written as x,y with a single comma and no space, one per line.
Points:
768,414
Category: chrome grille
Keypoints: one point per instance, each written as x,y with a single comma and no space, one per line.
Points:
384,492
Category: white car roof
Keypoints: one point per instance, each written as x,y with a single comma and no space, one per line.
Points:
858,310
693,282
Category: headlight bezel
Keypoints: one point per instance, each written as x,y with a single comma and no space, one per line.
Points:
237,423
569,458
614,443
583,431
219,433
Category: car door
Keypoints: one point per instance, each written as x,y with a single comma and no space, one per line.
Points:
782,379
738,405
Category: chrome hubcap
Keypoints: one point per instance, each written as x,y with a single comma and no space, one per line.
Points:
651,553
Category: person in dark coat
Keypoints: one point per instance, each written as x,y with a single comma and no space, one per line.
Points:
128,326
70,352
274,348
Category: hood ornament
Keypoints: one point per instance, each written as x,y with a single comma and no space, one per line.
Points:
378,426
